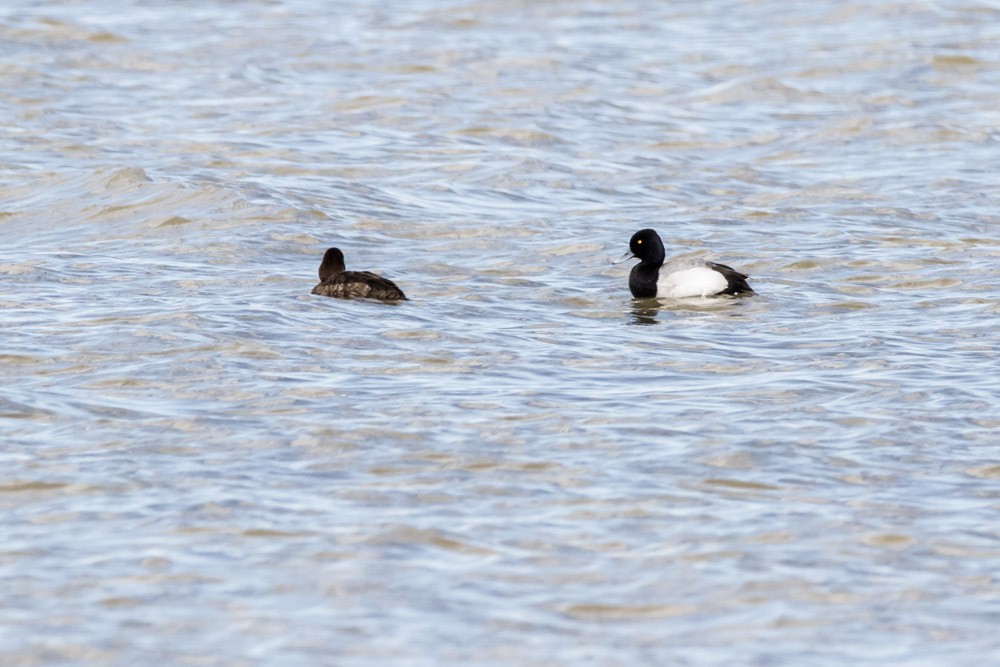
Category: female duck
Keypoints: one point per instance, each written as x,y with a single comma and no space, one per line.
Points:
678,278
335,281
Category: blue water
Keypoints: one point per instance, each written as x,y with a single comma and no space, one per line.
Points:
205,464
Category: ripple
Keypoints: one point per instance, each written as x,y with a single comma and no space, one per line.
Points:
594,612
522,453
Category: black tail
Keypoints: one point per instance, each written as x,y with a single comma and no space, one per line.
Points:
736,282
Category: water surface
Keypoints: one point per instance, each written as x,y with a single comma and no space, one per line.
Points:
203,463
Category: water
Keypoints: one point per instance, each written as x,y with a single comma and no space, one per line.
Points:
204,464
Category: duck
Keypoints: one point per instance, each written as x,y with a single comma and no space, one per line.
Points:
336,282
678,278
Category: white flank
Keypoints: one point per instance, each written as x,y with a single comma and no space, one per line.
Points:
698,281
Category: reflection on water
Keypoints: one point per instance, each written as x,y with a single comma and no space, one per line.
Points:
203,462
647,311
644,311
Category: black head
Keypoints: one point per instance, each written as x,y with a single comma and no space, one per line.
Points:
647,246
333,263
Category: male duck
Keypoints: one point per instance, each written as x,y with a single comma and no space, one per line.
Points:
678,278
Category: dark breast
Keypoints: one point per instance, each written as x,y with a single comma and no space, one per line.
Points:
642,281
359,285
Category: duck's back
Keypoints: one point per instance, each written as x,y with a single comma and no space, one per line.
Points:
359,285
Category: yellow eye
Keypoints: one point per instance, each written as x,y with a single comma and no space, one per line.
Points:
639,241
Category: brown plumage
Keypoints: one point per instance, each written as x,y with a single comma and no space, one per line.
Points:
336,282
